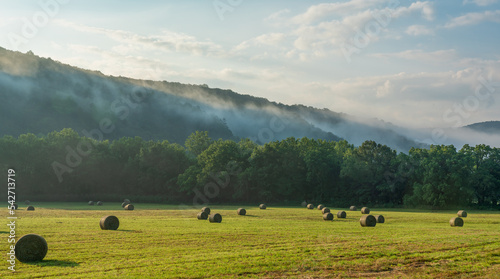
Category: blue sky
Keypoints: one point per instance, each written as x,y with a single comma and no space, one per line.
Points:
412,63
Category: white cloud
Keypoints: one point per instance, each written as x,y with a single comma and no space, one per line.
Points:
320,11
323,29
270,39
166,41
425,8
409,99
474,18
277,16
384,90
438,56
481,2
419,30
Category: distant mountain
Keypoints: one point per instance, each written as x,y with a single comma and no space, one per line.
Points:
40,95
488,127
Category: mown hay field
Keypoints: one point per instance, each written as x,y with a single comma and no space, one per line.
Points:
161,241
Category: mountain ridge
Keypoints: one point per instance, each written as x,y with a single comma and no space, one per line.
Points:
489,127
56,96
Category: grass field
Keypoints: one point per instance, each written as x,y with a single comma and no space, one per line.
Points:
161,241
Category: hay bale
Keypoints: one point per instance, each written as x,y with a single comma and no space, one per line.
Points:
365,210
30,208
14,205
31,248
462,213
27,202
262,206
341,214
380,218
328,216
129,207
310,206
202,215
91,203
320,207
353,208
304,204
456,222
206,210
127,201
99,203
325,210
215,218
241,211
368,221
125,204
109,223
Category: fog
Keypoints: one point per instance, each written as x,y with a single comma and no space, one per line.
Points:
54,96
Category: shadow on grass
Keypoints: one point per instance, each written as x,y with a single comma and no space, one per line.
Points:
4,232
248,215
55,263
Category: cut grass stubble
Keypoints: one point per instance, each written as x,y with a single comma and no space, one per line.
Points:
267,244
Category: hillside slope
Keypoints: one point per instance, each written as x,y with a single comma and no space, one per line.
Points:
488,127
41,95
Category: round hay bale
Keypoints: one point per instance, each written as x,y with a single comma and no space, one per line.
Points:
99,203
241,211
91,203
109,223
456,222
127,201
310,206
341,214
202,215
380,218
304,204
206,210
462,213
30,208
14,205
353,208
27,202
328,216
368,221
325,210
215,218
365,210
125,204
320,207
262,206
129,207
31,248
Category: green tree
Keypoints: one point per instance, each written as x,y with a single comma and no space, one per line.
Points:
198,142
365,169
277,171
442,178
160,163
484,169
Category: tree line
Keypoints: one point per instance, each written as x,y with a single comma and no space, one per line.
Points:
64,166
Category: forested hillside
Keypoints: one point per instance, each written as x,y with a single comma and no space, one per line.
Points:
53,96
62,166
490,127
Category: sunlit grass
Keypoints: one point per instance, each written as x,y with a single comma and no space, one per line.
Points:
163,241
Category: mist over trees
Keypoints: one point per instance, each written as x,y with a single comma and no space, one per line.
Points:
74,134
64,166
54,96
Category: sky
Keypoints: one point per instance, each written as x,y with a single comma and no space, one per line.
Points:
418,64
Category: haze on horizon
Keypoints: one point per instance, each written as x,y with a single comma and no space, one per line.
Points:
417,64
